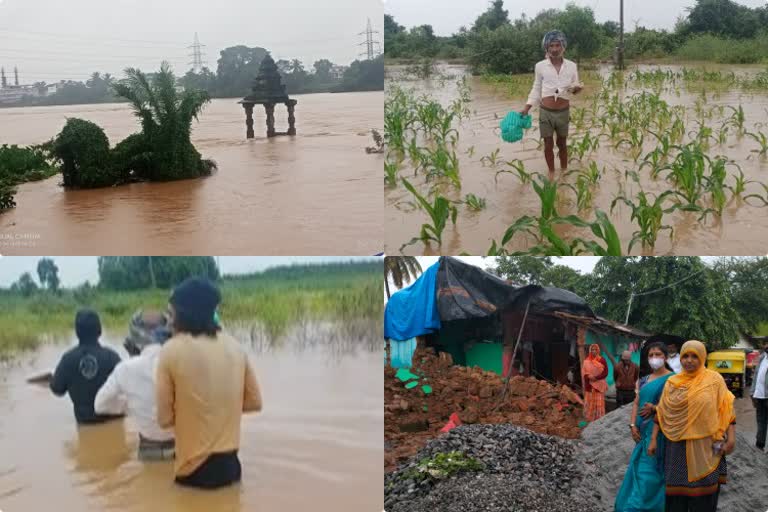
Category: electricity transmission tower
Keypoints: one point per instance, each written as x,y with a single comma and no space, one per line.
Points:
197,55
369,42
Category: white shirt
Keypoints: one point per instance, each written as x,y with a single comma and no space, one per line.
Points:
548,82
130,389
674,363
760,379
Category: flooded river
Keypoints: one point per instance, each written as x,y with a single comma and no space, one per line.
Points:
317,446
742,230
316,193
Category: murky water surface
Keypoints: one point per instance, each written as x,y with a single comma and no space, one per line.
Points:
316,193
316,446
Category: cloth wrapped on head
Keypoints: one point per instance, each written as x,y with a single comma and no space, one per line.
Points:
146,328
553,35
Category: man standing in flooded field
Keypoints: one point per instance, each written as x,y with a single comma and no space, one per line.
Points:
204,384
131,387
556,79
84,369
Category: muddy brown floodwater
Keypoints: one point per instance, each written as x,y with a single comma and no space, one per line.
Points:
743,229
317,446
315,193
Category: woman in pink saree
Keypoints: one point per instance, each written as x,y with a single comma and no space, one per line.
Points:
594,371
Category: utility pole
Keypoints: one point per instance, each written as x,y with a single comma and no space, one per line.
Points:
621,35
197,55
16,75
369,42
4,82
629,306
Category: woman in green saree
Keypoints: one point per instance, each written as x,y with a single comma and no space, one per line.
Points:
643,486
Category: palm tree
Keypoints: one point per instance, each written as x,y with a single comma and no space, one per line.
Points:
296,67
401,269
166,123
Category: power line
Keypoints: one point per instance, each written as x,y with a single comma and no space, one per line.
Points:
80,54
107,41
633,294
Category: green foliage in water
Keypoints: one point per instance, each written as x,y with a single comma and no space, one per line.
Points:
20,164
82,148
6,196
277,298
163,150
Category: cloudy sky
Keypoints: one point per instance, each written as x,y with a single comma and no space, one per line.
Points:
446,16
51,40
74,270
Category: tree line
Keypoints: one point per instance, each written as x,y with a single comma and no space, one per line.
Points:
237,66
122,273
126,273
716,302
719,30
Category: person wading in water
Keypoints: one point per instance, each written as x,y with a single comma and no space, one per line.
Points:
556,80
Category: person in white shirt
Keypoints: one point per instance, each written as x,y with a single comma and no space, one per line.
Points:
674,357
760,397
130,389
556,80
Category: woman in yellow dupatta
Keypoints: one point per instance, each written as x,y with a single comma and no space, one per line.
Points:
696,415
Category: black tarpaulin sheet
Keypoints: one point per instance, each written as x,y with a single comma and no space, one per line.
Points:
465,291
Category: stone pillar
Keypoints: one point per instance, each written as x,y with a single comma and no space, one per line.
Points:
270,108
291,118
248,120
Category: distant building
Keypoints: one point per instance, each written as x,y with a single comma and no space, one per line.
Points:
337,71
10,94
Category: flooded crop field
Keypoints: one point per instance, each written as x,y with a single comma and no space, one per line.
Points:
664,159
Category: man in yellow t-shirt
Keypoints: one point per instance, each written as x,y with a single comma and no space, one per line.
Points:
204,384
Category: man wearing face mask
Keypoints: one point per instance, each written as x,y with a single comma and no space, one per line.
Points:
674,357
759,394
625,375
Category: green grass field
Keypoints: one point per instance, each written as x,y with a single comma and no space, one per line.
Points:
276,298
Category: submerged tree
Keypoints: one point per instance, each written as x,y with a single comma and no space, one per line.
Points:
163,150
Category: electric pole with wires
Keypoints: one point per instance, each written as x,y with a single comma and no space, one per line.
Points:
621,35
369,42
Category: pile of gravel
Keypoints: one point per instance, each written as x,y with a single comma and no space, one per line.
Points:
524,471
607,445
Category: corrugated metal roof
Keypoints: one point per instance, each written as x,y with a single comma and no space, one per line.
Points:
600,323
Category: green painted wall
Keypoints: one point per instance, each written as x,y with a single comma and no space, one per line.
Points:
616,345
487,356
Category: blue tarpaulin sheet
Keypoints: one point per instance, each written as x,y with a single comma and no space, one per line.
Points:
413,311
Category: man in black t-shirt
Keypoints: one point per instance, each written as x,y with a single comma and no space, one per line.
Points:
84,368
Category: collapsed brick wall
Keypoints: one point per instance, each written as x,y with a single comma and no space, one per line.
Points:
412,416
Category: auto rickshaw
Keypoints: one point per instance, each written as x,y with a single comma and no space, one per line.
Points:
732,365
